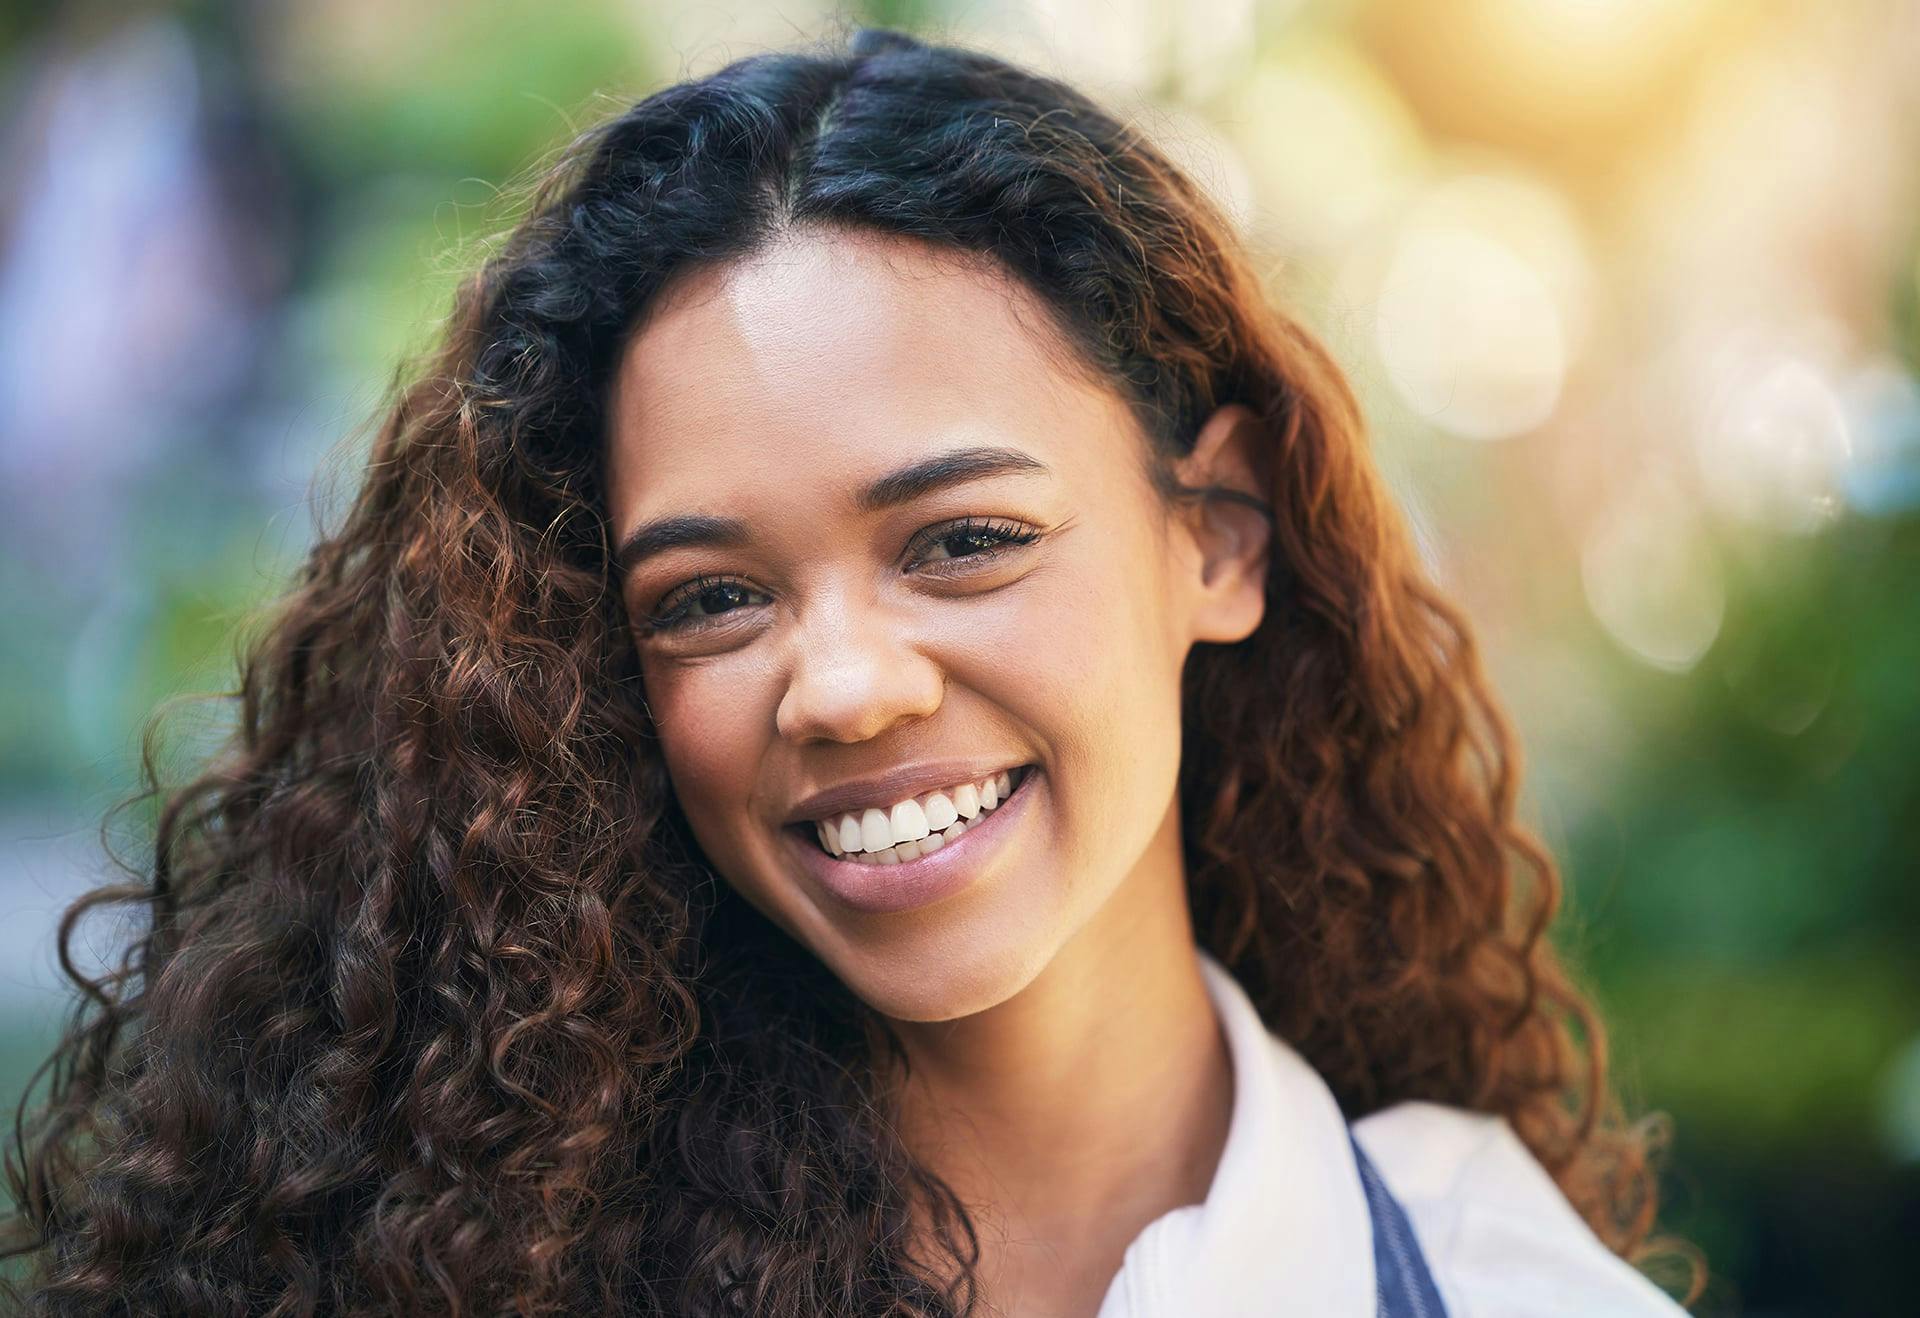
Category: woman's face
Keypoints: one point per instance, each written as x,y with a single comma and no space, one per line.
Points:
829,627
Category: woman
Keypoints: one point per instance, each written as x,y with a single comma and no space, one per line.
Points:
872,743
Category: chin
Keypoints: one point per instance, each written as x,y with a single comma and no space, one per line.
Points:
962,978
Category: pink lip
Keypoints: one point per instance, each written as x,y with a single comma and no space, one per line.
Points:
908,780
884,889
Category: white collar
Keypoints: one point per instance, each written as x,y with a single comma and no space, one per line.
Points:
1284,1227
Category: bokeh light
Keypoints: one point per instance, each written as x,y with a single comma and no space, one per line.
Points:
1770,430
1329,142
1482,305
1651,576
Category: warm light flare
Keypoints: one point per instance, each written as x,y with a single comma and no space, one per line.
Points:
1652,578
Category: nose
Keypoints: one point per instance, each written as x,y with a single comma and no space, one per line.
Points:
853,673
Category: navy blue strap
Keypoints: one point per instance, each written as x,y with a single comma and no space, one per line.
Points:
1406,1287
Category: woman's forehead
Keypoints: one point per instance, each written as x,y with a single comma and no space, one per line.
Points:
838,347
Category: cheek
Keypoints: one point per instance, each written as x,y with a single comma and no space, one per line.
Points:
709,727
1084,662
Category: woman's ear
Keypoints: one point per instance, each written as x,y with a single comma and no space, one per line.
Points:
1229,470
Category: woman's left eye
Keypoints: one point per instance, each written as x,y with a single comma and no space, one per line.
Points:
969,538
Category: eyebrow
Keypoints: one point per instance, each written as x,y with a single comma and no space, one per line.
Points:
956,467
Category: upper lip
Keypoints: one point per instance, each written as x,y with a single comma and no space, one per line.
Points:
896,785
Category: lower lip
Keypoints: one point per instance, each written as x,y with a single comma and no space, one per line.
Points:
884,889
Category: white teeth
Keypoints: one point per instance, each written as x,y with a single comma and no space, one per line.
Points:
909,822
909,850
966,800
915,826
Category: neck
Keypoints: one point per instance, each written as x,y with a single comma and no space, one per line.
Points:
1091,1102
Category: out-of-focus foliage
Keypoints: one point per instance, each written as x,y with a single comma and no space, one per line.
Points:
1630,289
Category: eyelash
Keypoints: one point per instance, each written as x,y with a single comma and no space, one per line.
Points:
673,612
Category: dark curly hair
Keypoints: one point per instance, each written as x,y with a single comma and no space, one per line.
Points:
438,1009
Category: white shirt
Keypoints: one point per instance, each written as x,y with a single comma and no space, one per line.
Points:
1284,1229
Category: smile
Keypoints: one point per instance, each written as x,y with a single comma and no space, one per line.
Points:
917,826
907,874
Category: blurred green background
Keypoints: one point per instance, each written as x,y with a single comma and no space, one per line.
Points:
1630,289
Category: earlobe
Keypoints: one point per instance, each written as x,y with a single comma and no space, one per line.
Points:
1231,523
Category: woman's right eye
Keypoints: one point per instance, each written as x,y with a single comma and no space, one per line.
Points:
699,603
